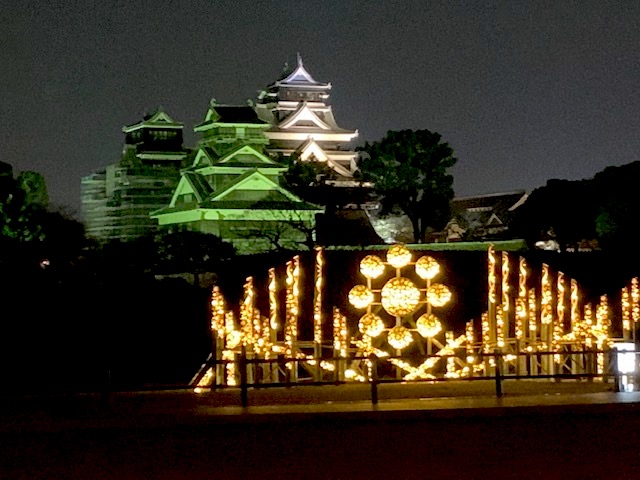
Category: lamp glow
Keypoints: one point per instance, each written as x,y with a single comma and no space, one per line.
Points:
399,296
428,325
427,267
371,324
371,266
399,256
399,337
438,295
360,296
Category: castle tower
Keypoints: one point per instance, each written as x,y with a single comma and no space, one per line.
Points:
303,125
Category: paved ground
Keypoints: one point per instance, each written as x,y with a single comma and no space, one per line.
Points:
536,430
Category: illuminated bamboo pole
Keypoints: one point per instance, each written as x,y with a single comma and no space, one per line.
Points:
247,326
292,307
521,326
491,307
546,316
218,309
340,342
626,313
233,338
588,336
574,314
503,327
274,323
603,323
533,330
558,324
317,308
635,307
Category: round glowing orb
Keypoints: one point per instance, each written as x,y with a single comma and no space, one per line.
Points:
399,296
360,296
399,337
371,266
427,267
399,256
438,294
371,324
233,339
428,325
521,308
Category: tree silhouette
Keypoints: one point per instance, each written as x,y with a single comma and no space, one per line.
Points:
409,169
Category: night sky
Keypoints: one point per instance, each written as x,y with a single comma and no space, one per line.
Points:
523,91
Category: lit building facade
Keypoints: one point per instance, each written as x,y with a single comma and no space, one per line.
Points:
302,124
233,188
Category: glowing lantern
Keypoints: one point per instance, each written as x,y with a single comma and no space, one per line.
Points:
438,294
427,267
399,337
428,325
399,296
360,296
371,324
372,266
399,256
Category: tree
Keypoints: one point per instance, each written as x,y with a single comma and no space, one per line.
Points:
409,169
192,252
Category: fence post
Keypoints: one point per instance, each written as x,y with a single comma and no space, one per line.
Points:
373,378
244,399
498,361
613,361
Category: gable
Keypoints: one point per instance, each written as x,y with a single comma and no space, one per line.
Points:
247,155
312,149
203,158
253,180
303,117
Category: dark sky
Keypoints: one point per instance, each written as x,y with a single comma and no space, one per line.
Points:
523,91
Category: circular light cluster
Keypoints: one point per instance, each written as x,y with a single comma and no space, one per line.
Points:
371,266
371,324
428,325
399,256
360,296
399,337
427,267
399,296
438,294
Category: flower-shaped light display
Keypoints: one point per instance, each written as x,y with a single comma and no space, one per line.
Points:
400,296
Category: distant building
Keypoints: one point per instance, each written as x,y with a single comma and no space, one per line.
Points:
482,217
116,201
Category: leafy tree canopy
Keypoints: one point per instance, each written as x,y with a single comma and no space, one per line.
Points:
409,169
601,208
